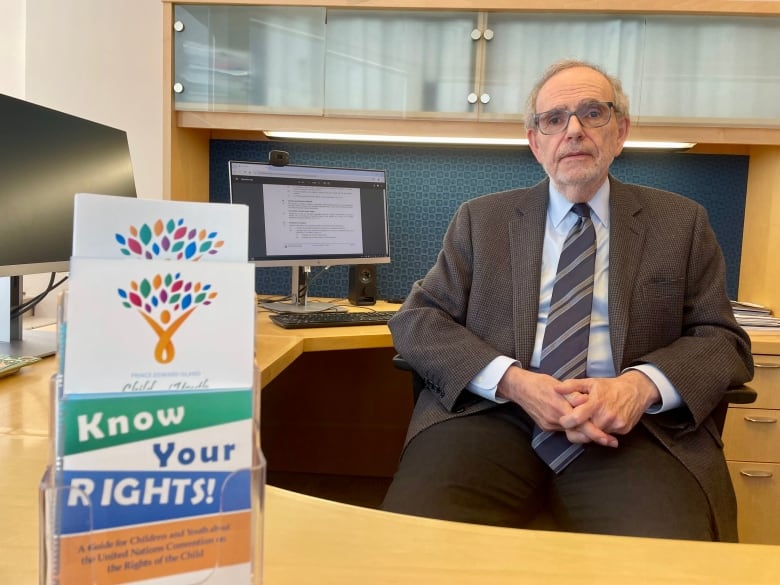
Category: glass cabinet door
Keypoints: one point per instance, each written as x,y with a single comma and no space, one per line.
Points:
249,58
399,63
468,65
522,46
716,69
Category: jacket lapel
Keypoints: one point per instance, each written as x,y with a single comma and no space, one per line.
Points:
627,234
526,233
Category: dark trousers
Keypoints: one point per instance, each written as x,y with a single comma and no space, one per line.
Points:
482,469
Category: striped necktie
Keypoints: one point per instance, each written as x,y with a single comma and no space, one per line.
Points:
565,344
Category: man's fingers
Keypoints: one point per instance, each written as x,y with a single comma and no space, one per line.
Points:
590,433
579,415
576,399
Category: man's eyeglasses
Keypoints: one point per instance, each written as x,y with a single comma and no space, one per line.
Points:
590,115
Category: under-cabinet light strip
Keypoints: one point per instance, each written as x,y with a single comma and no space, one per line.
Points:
463,140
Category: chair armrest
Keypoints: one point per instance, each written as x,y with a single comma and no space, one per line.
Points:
400,363
418,384
740,395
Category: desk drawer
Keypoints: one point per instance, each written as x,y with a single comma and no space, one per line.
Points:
758,491
752,434
766,381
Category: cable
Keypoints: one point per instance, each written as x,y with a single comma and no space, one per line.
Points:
22,308
305,283
320,273
303,289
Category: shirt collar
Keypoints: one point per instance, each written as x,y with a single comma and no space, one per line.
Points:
599,205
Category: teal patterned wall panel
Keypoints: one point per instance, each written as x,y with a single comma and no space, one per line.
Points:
426,185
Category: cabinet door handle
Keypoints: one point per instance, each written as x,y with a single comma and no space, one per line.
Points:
768,366
760,419
757,473
472,98
476,34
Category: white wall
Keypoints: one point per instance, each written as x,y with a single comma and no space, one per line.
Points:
12,47
102,60
97,59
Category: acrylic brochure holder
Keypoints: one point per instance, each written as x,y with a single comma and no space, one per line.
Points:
95,559
213,556
223,548
156,475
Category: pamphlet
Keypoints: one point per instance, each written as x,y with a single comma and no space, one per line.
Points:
165,481
122,227
155,325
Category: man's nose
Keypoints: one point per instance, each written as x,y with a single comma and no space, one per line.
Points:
573,127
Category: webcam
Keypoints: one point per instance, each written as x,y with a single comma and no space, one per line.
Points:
279,158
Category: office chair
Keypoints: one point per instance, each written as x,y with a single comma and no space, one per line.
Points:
544,521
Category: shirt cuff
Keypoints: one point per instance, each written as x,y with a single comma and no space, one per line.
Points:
670,398
485,383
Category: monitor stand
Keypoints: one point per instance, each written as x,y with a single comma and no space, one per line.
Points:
299,302
14,339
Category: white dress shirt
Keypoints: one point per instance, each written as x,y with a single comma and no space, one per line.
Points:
560,220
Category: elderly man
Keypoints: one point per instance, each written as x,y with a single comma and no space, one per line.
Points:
574,338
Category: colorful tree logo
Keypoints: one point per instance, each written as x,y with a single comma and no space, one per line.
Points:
165,302
168,240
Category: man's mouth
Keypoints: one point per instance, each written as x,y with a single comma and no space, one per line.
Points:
576,154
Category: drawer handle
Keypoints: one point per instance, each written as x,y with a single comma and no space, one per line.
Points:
757,473
761,419
768,366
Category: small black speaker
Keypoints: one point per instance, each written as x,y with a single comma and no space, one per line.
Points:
362,284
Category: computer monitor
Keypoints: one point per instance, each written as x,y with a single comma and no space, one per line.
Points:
46,157
304,216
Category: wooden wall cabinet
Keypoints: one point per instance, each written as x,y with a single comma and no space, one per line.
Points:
467,65
752,447
186,134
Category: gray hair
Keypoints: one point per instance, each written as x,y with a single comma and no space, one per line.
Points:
620,98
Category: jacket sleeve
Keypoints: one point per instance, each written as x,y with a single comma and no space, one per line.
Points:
708,351
430,330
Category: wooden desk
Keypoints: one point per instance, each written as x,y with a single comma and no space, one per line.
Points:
24,454
340,407
315,541
309,540
276,348
24,425
332,338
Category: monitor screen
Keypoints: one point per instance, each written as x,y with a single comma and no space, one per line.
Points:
312,216
46,157
303,216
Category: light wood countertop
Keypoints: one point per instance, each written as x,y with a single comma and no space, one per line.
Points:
311,540
316,541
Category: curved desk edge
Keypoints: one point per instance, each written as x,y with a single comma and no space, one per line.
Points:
342,544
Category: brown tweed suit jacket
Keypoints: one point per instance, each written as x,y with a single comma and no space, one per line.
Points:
668,306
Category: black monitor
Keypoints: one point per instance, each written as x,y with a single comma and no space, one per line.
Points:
46,157
304,216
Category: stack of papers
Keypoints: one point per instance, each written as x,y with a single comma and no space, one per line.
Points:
754,316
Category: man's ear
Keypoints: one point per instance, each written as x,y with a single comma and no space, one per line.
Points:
622,134
532,135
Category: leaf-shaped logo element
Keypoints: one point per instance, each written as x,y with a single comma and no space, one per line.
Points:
168,240
165,302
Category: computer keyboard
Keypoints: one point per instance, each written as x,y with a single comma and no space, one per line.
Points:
324,319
